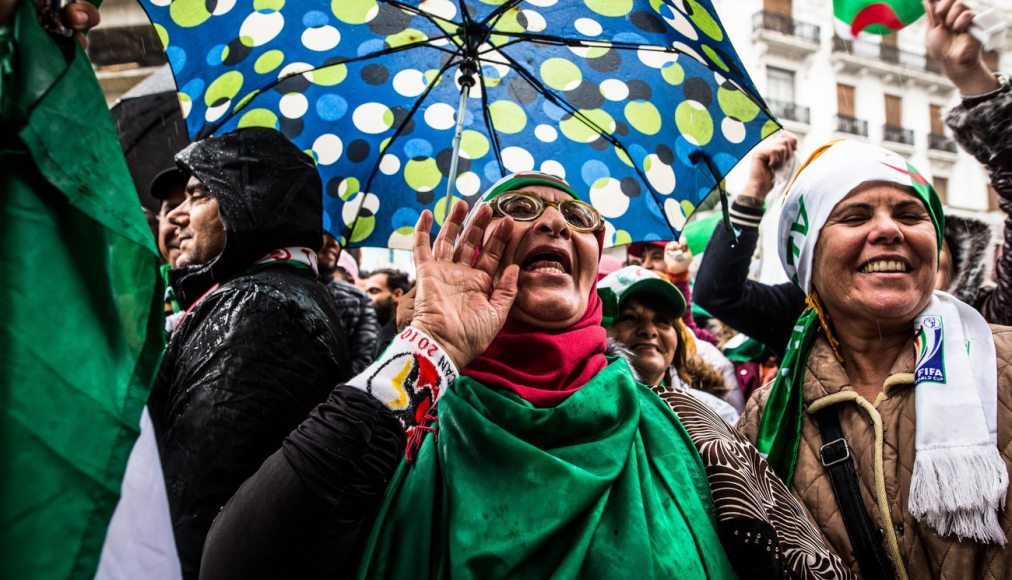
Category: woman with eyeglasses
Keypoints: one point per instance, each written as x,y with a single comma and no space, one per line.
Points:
529,453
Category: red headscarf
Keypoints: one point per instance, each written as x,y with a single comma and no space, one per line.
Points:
543,366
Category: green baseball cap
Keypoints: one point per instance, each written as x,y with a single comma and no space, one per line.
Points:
630,281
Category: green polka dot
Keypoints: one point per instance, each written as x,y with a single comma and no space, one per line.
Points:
643,116
509,22
439,210
349,187
363,228
737,105
422,174
163,35
507,117
656,5
268,61
673,73
405,37
405,230
268,4
226,86
769,128
703,21
329,76
596,51
473,144
246,41
694,122
715,58
687,207
580,132
243,101
622,238
189,13
560,74
610,7
259,118
354,11
623,156
430,76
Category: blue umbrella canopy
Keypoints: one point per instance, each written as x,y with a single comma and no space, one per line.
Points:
643,105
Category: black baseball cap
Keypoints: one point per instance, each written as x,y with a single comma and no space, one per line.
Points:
166,181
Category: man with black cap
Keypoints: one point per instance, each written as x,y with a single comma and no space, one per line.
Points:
260,343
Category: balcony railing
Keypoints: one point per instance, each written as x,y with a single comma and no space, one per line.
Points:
940,142
784,24
886,53
851,125
790,111
897,134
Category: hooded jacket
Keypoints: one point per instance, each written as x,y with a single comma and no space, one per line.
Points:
255,355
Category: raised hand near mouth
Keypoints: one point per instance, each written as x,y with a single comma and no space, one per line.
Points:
462,307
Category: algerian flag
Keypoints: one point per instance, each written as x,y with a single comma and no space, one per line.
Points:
852,17
81,315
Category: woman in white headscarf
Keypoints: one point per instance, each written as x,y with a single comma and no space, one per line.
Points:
918,385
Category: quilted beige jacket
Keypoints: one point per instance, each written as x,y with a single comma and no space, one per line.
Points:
881,436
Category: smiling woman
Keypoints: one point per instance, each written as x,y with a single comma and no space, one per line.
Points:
909,377
547,458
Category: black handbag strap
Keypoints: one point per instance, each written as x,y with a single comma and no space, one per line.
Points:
865,537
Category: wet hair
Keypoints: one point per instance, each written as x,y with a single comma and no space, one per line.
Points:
395,278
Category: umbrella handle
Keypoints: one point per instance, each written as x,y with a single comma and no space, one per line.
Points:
467,70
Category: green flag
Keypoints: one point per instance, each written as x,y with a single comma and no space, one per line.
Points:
852,17
80,326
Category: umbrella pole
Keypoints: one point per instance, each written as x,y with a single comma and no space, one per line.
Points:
452,176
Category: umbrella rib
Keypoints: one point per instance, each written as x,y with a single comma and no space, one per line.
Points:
557,99
498,13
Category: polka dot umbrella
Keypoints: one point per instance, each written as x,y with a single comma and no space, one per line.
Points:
643,105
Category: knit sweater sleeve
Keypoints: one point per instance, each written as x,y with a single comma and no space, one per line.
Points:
984,129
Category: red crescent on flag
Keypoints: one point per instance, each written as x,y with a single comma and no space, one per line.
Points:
917,177
879,13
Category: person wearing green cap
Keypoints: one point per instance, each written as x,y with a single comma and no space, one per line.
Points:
647,321
889,388
527,451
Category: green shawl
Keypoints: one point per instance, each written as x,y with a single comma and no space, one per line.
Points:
605,484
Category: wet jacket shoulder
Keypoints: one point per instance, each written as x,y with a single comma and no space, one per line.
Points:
881,435
359,319
245,368
984,129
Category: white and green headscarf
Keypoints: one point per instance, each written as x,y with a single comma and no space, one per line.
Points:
959,479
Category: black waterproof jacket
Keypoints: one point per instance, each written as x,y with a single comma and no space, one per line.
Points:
259,352
359,319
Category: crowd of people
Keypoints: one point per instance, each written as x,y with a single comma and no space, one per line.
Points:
526,405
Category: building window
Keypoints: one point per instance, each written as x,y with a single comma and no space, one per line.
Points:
780,84
942,188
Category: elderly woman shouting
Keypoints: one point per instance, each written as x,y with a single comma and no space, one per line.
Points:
529,453
891,408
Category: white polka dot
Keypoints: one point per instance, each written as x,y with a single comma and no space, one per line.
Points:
614,90
468,183
390,164
660,175
328,148
543,3
350,209
440,116
588,46
679,22
609,234
588,27
441,8
212,114
517,159
293,105
685,48
673,211
321,38
409,82
535,21
656,58
399,241
554,168
606,195
733,130
294,69
221,8
546,133
372,118
262,27
161,3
